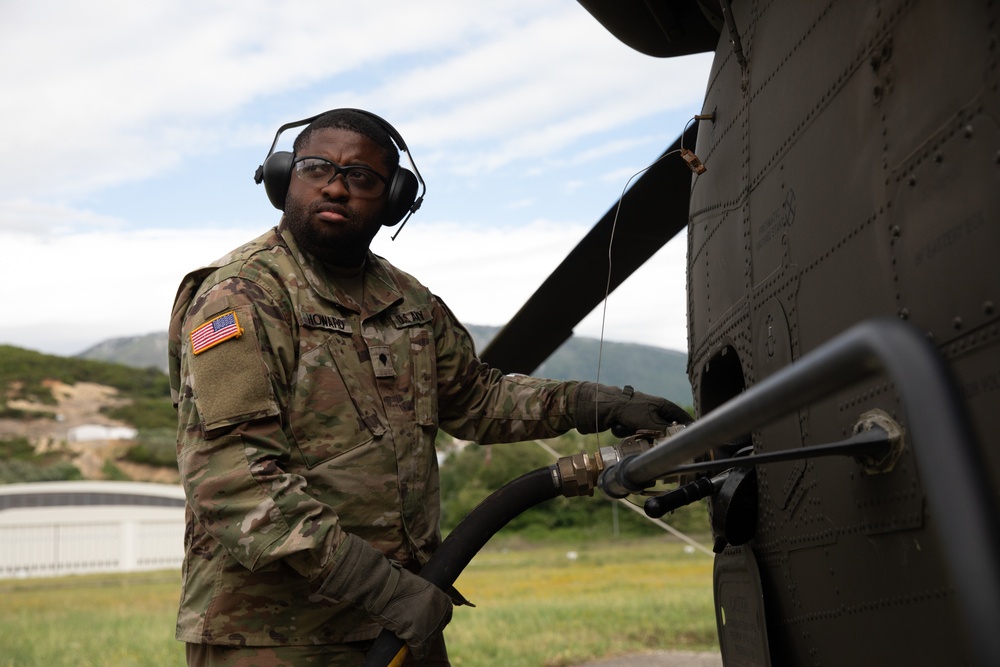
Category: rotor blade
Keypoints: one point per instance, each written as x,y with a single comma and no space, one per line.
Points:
651,213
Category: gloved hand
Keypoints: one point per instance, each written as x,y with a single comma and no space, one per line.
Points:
411,608
600,407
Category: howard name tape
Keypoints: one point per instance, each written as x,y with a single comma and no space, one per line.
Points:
217,330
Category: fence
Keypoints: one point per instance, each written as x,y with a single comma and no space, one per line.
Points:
58,528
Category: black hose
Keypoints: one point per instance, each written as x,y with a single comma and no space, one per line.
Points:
468,537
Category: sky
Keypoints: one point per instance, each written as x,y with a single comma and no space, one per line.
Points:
131,132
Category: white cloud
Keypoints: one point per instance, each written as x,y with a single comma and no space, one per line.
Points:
105,93
100,93
486,276
97,284
123,87
45,220
68,292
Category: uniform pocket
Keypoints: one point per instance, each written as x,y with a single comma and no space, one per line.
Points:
229,379
323,415
424,376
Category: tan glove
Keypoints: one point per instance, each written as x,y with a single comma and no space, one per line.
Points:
600,407
410,607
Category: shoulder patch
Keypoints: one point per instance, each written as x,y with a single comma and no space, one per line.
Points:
217,330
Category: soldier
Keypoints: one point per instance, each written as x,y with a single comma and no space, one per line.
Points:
310,378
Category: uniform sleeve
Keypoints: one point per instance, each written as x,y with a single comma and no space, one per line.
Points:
480,403
236,359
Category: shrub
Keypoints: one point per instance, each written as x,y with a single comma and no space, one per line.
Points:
145,413
154,447
15,472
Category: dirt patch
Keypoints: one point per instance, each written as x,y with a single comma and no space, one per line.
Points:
146,473
77,405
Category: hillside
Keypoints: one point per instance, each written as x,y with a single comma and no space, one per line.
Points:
653,370
46,399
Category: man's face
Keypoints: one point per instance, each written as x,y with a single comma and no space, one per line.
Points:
327,221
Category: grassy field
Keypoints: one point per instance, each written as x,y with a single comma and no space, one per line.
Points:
90,621
552,606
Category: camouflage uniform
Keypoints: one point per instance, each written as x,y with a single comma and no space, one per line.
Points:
315,417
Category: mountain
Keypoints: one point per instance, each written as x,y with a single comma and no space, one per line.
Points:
653,370
650,369
148,351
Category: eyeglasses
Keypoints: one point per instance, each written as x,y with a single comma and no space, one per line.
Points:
360,181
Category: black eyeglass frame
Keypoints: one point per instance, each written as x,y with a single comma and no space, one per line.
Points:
341,169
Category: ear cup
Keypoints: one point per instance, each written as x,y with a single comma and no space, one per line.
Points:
277,172
402,193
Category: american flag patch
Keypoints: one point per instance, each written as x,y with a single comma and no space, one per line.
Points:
215,331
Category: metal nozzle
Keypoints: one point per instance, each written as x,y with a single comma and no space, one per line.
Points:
578,473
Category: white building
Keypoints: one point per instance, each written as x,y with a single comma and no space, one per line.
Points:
88,432
57,528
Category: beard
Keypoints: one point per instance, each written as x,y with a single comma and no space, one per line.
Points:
344,244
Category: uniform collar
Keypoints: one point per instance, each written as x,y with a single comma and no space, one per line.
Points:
381,291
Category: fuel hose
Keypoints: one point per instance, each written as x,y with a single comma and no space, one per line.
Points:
465,541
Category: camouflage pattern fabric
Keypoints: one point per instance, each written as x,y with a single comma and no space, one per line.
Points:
303,416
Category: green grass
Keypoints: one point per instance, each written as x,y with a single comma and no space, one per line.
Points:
535,606
90,621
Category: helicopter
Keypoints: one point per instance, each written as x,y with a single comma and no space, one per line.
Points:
840,193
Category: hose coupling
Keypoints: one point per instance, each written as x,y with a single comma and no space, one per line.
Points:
578,473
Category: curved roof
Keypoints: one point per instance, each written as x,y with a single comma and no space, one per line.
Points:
89,493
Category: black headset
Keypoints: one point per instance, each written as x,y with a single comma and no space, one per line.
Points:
402,202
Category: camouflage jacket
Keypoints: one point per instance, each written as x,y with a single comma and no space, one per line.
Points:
304,415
